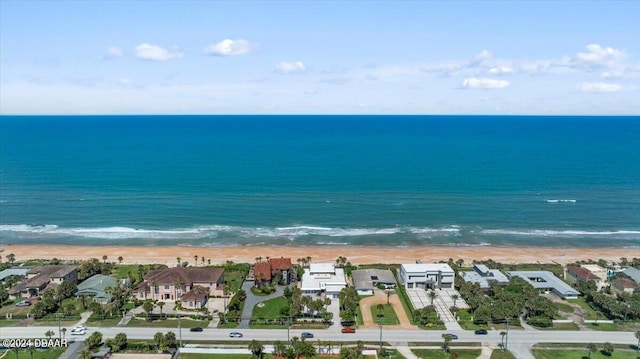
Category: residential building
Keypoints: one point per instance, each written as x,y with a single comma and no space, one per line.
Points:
632,273
546,281
575,273
598,271
624,285
365,280
323,279
42,278
17,271
426,275
484,276
195,299
169,285
96,287
265,271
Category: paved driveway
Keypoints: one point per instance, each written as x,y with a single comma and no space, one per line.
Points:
253,299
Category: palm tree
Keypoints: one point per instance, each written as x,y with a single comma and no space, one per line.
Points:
178,259
447,340
455,298
49,334
432,295
31,350
120,259
209,261
64,332
502,335
15,350
11,258
308,260
591,348
256,348
104,258
380,309
160,305
195,259
202,260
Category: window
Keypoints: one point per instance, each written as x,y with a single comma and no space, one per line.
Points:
166,286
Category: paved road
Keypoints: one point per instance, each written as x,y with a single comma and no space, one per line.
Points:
73,351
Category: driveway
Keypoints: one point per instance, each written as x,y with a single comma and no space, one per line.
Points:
253,299
380,297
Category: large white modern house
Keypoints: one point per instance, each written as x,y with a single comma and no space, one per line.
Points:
323,278
427,275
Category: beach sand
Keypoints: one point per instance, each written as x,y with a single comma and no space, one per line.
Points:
355,254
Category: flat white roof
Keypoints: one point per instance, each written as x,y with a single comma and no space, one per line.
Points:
311,282
426,267
549,281
322,268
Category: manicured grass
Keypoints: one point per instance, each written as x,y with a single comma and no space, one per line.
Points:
167,323
271,309
607,327
579,354
106,322
235,275
404,299
565,307
561,326
222,356
499,354
388,317
8,323
359,318
13,309
466,322
439,354
38,354
122,271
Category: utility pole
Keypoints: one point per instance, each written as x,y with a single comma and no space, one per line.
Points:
506,338
59,330
180,328
380,324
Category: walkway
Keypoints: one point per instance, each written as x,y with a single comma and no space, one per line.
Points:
420,299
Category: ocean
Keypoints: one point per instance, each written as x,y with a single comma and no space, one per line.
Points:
327,180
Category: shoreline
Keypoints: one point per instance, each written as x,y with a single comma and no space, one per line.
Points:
355,254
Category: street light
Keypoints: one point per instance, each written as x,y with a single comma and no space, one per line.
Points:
180,328
626,310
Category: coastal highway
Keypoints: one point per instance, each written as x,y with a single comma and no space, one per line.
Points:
517,338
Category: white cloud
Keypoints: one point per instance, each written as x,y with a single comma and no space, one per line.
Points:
613,74
599,55
228,47
114,52
484,83
598,87
483,55
501,70
290,67
156,53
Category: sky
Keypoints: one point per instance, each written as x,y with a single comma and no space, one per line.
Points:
320,57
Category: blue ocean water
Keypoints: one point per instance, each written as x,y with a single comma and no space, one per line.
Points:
334,180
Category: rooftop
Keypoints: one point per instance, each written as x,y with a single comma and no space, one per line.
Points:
322,268
484,276
13,271
97,284
625,283
545,280
279,264
186,276
314,282
632,273
582,273
262,272
368,278
426,267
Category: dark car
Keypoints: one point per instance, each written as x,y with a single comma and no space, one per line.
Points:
195,329
235,335
306,335
348,330
481,331
452,336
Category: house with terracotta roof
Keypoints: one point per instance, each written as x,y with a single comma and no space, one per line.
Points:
624,285
172,284
265,271
42,278
575,273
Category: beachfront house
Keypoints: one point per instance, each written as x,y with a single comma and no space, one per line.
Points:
426,275
42,278
575,273
545,281
484,276
632,273
172,284
14,271
624,285
265,271
366,280
97,287
323,279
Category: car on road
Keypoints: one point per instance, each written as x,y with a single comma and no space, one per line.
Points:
481,332
348,330
79,328
195,329
452,336
23,303
235,335
306,335
78,332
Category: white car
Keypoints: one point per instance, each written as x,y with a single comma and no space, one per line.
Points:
78,332
79,328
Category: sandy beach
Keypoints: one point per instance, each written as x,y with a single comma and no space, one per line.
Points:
355,254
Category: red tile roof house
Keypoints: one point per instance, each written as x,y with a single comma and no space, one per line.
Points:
575,274
42,278
181,284
624,285
264,272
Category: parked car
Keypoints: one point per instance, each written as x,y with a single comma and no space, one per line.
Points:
481,331
235,335
349,330
452,336
306,335
195,329
23,303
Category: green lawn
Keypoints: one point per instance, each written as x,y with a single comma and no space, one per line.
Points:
235,277
565,307
359,318
106,322
167,323
499,354
591,313
8,323
388,316
608,327
121,271
271,309
466,322
579,354
38,354
439,354
221,356
561,326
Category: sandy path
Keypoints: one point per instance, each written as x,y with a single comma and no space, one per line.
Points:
380,297
355,254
